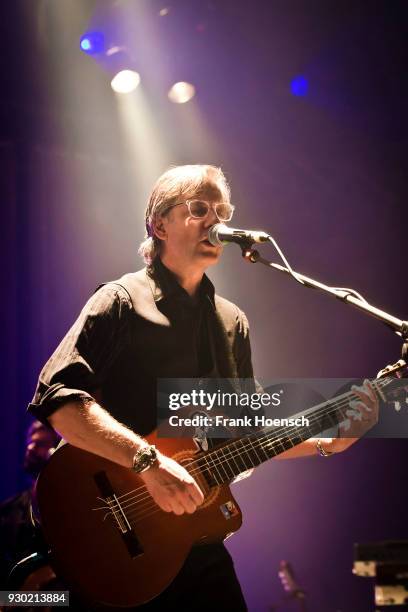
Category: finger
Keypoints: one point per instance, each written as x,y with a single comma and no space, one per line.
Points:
165,506
368,406
356,415
186,499
361,406
367,391
345,425
189,505
370,390
196,493
362,412
176,506
364,397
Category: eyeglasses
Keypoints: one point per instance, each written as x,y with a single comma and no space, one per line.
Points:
199,209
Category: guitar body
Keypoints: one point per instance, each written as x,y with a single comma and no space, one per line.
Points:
113,545
109,541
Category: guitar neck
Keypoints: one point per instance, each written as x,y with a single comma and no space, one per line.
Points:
236,456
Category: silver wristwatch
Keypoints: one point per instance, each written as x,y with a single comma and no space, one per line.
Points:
144,458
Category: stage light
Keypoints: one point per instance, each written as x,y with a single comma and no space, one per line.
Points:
181,92
92,43
85,44
299,86
125,81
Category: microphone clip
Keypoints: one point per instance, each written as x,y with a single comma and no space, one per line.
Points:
248,253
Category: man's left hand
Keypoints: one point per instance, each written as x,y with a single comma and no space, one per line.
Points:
362,415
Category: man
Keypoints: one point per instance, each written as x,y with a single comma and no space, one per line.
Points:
19,537
98,390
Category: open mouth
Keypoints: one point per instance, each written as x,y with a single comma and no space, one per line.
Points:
207,242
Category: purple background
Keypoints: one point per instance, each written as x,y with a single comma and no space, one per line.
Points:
324,173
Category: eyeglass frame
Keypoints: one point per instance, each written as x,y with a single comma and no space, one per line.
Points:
187,202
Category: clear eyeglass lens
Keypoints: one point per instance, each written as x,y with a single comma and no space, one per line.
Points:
224,211
200,208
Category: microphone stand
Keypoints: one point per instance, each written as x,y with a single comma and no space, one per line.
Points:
400,327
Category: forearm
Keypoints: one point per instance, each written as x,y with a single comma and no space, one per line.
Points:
88,426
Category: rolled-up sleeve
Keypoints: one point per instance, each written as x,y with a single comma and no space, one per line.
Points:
79,365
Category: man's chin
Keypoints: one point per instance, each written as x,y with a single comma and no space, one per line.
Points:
33,467
209,254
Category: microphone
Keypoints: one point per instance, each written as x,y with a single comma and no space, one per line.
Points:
219,234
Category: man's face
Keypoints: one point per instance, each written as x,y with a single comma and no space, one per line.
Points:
40,441
185,241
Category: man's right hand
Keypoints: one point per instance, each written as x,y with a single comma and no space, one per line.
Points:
171,486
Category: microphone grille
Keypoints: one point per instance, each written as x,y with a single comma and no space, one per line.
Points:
213,235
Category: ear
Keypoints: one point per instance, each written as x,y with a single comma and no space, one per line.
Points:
159,228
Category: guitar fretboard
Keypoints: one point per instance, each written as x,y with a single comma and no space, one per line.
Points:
226,462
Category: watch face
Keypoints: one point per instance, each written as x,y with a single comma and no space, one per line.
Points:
144,458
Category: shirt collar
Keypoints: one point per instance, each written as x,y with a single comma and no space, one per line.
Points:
165,285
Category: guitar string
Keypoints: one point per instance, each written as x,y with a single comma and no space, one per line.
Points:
259,441
148,509
213,462
141,513
144,506
347,396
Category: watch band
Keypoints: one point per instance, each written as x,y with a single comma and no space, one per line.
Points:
144,458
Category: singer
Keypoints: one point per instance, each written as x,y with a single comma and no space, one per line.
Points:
98,390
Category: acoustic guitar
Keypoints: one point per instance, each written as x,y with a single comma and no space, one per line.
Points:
110,541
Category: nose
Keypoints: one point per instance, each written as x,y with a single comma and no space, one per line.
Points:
211,218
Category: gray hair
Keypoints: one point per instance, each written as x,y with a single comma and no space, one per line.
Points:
178,182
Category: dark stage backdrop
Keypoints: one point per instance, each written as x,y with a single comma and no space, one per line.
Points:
325,175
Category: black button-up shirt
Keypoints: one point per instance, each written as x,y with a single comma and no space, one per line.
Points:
135,330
